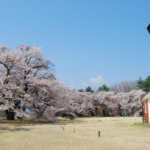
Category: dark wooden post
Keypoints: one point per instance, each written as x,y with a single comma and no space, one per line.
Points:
99,133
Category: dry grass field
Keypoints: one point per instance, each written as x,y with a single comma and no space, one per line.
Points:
117,133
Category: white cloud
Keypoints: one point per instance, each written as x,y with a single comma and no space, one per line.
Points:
97,81
93,82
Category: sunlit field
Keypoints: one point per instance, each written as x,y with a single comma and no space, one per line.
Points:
118,133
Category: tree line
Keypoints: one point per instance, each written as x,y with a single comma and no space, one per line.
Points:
124,86
28,87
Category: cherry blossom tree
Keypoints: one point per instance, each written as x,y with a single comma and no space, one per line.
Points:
25,81
69,102
27,85
121,104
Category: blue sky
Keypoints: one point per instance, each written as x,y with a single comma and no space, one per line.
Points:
91,42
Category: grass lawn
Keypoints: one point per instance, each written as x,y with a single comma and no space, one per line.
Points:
117,133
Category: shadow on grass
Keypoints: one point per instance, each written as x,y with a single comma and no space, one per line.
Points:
13,130
24,122
61,121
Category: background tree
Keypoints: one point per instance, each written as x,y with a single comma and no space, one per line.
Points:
144,84
89,89
103,88
140,84
124,86
147,84
81,90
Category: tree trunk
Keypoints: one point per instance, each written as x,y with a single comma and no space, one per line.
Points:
10,115
104,113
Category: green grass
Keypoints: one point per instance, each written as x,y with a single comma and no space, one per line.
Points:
141,124
117,133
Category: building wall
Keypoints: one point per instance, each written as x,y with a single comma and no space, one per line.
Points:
146,115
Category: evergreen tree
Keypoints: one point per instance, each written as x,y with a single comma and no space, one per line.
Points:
89,89
103,88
